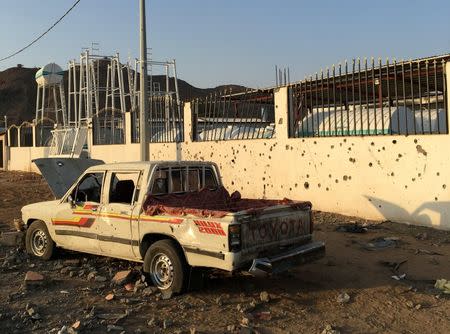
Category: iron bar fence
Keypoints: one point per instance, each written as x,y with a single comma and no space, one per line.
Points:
108,127
228,116
13,136
371,98
43,131
165,122
26,134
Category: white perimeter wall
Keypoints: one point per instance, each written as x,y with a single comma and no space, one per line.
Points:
400,178
20,158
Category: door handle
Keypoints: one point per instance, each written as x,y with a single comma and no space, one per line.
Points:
124,213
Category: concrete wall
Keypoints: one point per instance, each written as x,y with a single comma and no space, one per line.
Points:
401,178
115,153
20,158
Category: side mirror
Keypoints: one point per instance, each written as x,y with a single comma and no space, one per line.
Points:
71,201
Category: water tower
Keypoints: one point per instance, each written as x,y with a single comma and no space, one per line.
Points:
50,101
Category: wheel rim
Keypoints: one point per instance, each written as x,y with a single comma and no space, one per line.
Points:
162,271
39,242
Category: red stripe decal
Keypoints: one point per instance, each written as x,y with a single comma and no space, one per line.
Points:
82,222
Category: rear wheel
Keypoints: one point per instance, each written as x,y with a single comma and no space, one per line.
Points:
38,241
167,267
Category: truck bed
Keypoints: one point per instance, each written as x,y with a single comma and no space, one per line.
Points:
212,203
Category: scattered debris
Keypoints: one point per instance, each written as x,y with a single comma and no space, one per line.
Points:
72,262
231,328
100,279
122,277
330,330
219,301
152,322
109,296
410,304
343,298
33,278
382,243
394,266
427,252
67,301
351,228
264,296
422,236
245,322
264,315
18,224
148,291
443,285
399,277
67,330
167,323
13,239
139,285
32,312
90,276
76,324
111,328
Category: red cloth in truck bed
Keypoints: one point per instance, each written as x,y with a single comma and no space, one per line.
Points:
210,203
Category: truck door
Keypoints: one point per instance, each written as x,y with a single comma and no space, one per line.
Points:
76,218
116,215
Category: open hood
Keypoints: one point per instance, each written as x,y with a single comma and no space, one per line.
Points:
61,173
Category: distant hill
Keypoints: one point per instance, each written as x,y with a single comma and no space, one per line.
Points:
18,92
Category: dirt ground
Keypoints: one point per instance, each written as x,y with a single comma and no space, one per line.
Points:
303,300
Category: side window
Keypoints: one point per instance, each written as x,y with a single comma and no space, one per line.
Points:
160,183
177,180
123,187
89,189
210,179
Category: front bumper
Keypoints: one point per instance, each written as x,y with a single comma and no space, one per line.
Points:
281,262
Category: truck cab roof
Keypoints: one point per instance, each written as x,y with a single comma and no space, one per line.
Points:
61,173
147,164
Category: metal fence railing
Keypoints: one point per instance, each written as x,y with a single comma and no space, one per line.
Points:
361,98
43,132
26,134
108,127
13,136
68,142
165,122
227,116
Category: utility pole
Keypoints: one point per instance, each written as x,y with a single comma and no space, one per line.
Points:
143,110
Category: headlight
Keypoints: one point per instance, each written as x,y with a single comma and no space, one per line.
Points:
234,237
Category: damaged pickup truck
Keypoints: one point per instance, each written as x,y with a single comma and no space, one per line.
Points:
172,216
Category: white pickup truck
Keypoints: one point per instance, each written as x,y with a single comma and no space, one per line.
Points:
172,216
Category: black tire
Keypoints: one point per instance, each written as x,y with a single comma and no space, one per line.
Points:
38,241
167,267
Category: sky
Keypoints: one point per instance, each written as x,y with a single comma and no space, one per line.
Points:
234,41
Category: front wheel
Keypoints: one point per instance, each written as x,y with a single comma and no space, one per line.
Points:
166,266
38,241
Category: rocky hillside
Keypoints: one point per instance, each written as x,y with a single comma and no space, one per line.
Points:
18,92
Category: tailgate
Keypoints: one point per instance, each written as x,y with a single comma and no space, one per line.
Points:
276,227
